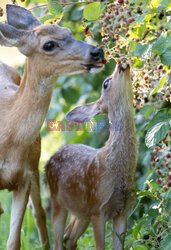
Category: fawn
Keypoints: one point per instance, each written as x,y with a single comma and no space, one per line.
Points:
96,184
50,51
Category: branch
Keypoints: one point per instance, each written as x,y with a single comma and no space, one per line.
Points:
64,4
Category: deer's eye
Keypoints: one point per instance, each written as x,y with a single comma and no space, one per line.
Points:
49,46
106,84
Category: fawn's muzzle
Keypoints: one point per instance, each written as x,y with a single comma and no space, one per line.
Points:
122,66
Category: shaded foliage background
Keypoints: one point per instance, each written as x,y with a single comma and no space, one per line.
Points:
150,56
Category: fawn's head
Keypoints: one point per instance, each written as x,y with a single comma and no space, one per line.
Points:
115,90
52,49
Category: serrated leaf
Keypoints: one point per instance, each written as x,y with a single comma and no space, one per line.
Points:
166,57
146,194
161,83
133,46
166,243
55,9
47,18
146,110
92,11
158,128
141,49
159,46
169,79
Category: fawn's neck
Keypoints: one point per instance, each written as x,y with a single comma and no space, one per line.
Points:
30,104
121,145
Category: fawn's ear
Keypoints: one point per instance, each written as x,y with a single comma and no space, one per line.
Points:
21,18
12,37
84,113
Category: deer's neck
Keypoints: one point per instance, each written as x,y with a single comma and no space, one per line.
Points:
30,104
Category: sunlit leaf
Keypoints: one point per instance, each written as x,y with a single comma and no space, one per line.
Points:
92,11
161,83
158,128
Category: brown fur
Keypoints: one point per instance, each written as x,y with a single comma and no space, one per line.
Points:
23,108
96,184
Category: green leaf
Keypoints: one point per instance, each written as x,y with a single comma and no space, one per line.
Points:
133,46
166,57
161,83
55,9
166,243
169,79
138,63
158,128
39,1
146,110
141,247
92,11
27,2
141,49
71,95
159,46
146,194
47,18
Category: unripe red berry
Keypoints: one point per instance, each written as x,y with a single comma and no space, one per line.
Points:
128,12
169,177
158,180
168,155
104,40
165,189
130,20
120,1
169,184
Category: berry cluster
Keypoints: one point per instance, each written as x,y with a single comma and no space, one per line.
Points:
119,31
116,21
160,160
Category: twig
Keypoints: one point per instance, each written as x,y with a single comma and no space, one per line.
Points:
64,4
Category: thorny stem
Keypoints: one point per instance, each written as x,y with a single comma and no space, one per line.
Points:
64,4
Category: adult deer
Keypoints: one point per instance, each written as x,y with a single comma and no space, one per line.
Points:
96,184
51,51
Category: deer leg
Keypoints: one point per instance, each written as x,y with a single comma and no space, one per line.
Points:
78,227
68,229
38,211
19,203
119,231
59,216
98,223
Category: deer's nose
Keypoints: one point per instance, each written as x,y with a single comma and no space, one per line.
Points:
97,54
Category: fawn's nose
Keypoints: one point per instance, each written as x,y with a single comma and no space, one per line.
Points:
97,54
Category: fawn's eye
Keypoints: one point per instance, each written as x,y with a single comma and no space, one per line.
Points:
106,83
49,46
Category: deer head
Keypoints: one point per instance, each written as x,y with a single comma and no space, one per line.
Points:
48,43
115,91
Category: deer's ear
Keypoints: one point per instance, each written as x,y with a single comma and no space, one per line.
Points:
21,18
12,37
84,113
